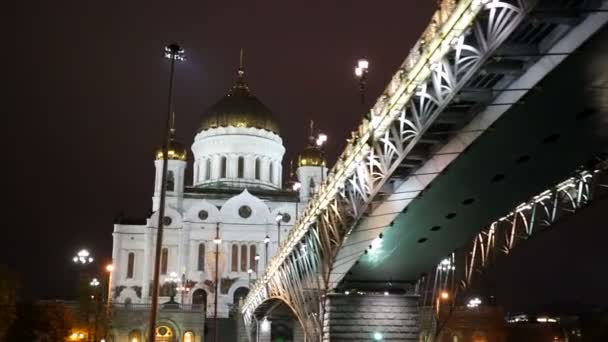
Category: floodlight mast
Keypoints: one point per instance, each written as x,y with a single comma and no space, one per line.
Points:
175,53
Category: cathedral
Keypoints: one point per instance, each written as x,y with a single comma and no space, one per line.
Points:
220,232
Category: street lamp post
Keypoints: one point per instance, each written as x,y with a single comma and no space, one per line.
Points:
361,71
266,242
217,241
175,53
249,271
278,218
94,285
321,140
84,258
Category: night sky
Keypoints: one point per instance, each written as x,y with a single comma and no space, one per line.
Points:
88,97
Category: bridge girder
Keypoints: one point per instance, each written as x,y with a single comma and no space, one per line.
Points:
309,262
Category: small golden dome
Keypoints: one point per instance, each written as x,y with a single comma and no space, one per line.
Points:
311,156
175,150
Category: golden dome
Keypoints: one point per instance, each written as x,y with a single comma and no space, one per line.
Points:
239,108
175,150
311,156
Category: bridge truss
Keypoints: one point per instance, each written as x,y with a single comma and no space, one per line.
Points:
459,271
461,39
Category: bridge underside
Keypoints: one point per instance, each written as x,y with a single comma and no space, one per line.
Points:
558,126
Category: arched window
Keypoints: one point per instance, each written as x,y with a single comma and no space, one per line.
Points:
223,167
252,253
199,299
235,258
201,256
130,264
257,168
271,173
244,258
207,168
239,293
164,260
170,181
241,167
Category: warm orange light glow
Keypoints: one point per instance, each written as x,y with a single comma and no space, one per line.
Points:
444,295
110,268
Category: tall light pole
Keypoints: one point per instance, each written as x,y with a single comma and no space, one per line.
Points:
217,241
174,53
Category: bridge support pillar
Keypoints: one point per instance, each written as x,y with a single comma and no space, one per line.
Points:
368,317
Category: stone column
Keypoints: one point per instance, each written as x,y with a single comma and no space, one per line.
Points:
371,316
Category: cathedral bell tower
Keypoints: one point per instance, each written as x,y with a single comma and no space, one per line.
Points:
311,169
176,166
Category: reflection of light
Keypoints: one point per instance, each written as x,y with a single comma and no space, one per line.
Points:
217,241
188,336
376,242
296,186
377,336
444,295
265,325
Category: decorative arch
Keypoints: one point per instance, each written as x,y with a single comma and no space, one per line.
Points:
192,214
259,210
174,215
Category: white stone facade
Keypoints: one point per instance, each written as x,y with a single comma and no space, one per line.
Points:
244,205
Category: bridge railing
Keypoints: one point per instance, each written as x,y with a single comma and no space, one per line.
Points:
449,23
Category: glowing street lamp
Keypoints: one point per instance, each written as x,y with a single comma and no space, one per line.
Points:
474,303
296,186
83,257
377,336
94,282
444,295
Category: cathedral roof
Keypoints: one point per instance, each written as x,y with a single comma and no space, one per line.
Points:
239,108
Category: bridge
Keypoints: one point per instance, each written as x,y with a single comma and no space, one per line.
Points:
494,127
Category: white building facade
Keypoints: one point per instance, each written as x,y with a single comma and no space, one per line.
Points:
220,232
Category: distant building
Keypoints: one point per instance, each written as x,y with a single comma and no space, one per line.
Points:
464,324
237,194
524,328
